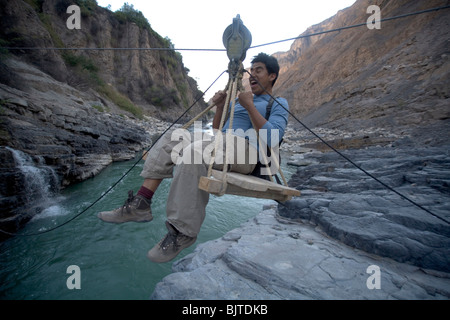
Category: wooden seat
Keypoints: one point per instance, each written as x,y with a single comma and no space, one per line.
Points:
247,186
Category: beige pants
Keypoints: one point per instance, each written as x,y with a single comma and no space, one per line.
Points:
186,203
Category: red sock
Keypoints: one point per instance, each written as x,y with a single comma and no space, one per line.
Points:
146,193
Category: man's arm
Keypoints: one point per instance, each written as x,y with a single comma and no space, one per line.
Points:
277,121
219,99
246,100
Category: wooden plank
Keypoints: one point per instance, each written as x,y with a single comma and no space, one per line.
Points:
214,186
253,183
235,190
210,185
248,186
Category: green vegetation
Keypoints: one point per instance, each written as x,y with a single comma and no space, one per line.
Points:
157,95
87,7
128,14
35,4
161,96
120,100
86,71
46,21
74,61
98,107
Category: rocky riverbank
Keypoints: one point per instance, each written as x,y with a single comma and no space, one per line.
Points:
333,240
61,128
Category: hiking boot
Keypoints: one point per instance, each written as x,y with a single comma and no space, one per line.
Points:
136,208
170,246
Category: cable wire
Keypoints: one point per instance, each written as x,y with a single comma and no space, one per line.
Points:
122,177
110,49
184,113
252,47
348,159
352,26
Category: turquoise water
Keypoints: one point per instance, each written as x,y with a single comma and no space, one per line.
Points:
111,258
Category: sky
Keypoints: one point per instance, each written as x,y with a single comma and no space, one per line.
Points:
200,24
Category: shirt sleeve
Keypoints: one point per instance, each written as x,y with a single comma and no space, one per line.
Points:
273,130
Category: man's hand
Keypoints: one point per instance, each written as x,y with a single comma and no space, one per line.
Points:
219,98
246,100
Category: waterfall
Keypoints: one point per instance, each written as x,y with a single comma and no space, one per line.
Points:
40,182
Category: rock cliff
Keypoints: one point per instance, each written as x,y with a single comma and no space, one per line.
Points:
324,244
151,82
76,111
381,98
394,78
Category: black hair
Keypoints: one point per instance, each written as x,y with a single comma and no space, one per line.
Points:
271,63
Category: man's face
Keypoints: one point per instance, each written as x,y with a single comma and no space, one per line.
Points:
260,77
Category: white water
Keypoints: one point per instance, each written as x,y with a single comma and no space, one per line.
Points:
112,258
40,181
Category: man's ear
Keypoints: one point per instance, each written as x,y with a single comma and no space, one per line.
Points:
272,76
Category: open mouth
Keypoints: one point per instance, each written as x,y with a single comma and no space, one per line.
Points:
253,82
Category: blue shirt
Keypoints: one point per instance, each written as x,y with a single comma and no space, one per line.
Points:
273,128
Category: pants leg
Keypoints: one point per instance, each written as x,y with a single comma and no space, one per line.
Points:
159,163
186,205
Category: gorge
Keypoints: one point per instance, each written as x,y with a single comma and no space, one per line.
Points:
381,97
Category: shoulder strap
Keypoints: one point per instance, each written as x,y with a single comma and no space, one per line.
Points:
269,108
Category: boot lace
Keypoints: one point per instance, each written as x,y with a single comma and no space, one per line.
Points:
126,205
169,239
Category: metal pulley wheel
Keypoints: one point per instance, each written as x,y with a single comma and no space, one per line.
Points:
237,39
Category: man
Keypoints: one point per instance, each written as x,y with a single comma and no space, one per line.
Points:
186,202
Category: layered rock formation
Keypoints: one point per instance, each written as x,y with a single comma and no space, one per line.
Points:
381,98
61,128
155,81
76,111
395,78
325,244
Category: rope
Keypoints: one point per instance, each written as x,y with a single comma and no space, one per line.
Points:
349,160
222,121
221,50
121,178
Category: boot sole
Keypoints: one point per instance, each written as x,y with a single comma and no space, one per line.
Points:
158,258
99,215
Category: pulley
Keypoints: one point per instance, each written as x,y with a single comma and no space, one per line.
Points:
237,39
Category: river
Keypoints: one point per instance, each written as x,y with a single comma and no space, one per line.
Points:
111,258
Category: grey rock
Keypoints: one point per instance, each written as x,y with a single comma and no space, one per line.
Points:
275,258
60,133
362,213
321,244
